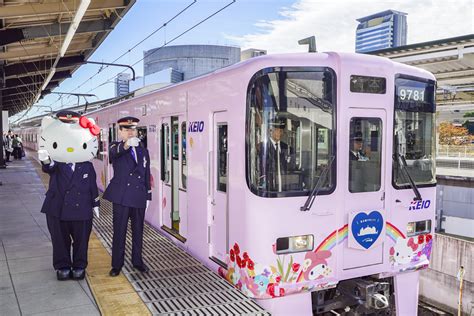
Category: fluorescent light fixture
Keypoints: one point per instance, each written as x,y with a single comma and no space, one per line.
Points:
81,10
48,79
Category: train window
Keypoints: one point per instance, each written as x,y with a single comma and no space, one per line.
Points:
175,137
364,84
290,131
414,131
100,149
165,153
365,153
222,158
184,168
112,133
142,135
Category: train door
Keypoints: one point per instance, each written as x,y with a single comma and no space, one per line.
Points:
173,175
219,225
365,193
166,185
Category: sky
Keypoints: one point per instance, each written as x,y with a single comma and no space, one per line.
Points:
273,25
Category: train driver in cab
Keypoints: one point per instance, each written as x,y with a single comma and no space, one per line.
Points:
276,157
130,192
356,152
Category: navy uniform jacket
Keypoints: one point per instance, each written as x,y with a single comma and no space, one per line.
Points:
131,185
71,198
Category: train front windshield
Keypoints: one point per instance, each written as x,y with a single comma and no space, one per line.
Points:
290,131
414,125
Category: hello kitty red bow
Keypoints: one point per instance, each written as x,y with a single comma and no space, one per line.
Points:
412,244
85,123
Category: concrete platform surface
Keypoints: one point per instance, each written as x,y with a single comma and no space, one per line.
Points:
28,284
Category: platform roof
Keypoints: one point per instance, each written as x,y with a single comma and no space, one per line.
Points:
32,33
451,60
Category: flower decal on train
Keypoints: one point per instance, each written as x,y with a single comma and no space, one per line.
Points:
268,281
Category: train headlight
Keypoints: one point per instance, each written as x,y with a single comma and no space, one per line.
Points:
294,244
418,228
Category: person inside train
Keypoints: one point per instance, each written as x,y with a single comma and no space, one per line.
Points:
130,192
277,157
356,152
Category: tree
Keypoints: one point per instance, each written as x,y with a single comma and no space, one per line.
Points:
468,114
452,135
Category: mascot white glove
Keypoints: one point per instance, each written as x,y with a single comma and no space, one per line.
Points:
133,142
96,211
43,155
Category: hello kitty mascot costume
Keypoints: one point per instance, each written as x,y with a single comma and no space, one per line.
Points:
67,143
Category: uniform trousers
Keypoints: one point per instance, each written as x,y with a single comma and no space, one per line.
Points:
120,222
65,233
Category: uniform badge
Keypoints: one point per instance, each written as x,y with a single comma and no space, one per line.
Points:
85,175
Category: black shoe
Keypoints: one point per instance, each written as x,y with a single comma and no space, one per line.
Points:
142,268
63,274
78,274
114,272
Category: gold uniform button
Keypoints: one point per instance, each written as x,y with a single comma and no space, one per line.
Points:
128,184
130,174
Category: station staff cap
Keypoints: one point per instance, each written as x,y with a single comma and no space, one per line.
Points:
278,122
128,122
68,116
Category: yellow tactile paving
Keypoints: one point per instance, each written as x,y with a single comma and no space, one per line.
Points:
114,296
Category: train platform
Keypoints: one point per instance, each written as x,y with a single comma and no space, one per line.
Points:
177,283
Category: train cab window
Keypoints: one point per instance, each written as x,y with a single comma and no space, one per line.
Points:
141,134
414,132
222,158
184,168
290,131
165,153
365,153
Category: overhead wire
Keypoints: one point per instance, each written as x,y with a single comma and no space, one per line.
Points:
172,40
130,49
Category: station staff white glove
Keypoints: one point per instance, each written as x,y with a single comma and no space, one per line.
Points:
147,203
96,211
43,155
133,142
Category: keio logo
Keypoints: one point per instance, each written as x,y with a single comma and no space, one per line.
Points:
196,127
419,205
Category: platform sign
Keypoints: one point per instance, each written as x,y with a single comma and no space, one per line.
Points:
5,121
366,229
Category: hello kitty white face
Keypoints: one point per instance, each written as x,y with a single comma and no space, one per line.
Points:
67,142
402,252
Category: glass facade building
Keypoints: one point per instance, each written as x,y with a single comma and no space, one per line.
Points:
382,30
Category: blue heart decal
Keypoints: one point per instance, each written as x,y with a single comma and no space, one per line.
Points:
366,228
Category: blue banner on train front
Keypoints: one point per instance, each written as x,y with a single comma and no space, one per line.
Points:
366,229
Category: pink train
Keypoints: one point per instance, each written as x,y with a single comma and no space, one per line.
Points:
305,180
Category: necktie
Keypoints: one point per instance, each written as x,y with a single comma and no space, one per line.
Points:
133,154
277,145
69,170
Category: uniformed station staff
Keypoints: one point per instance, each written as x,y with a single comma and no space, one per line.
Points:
71,197
130,192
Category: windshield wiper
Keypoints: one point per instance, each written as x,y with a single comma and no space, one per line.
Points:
309,202
403,164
